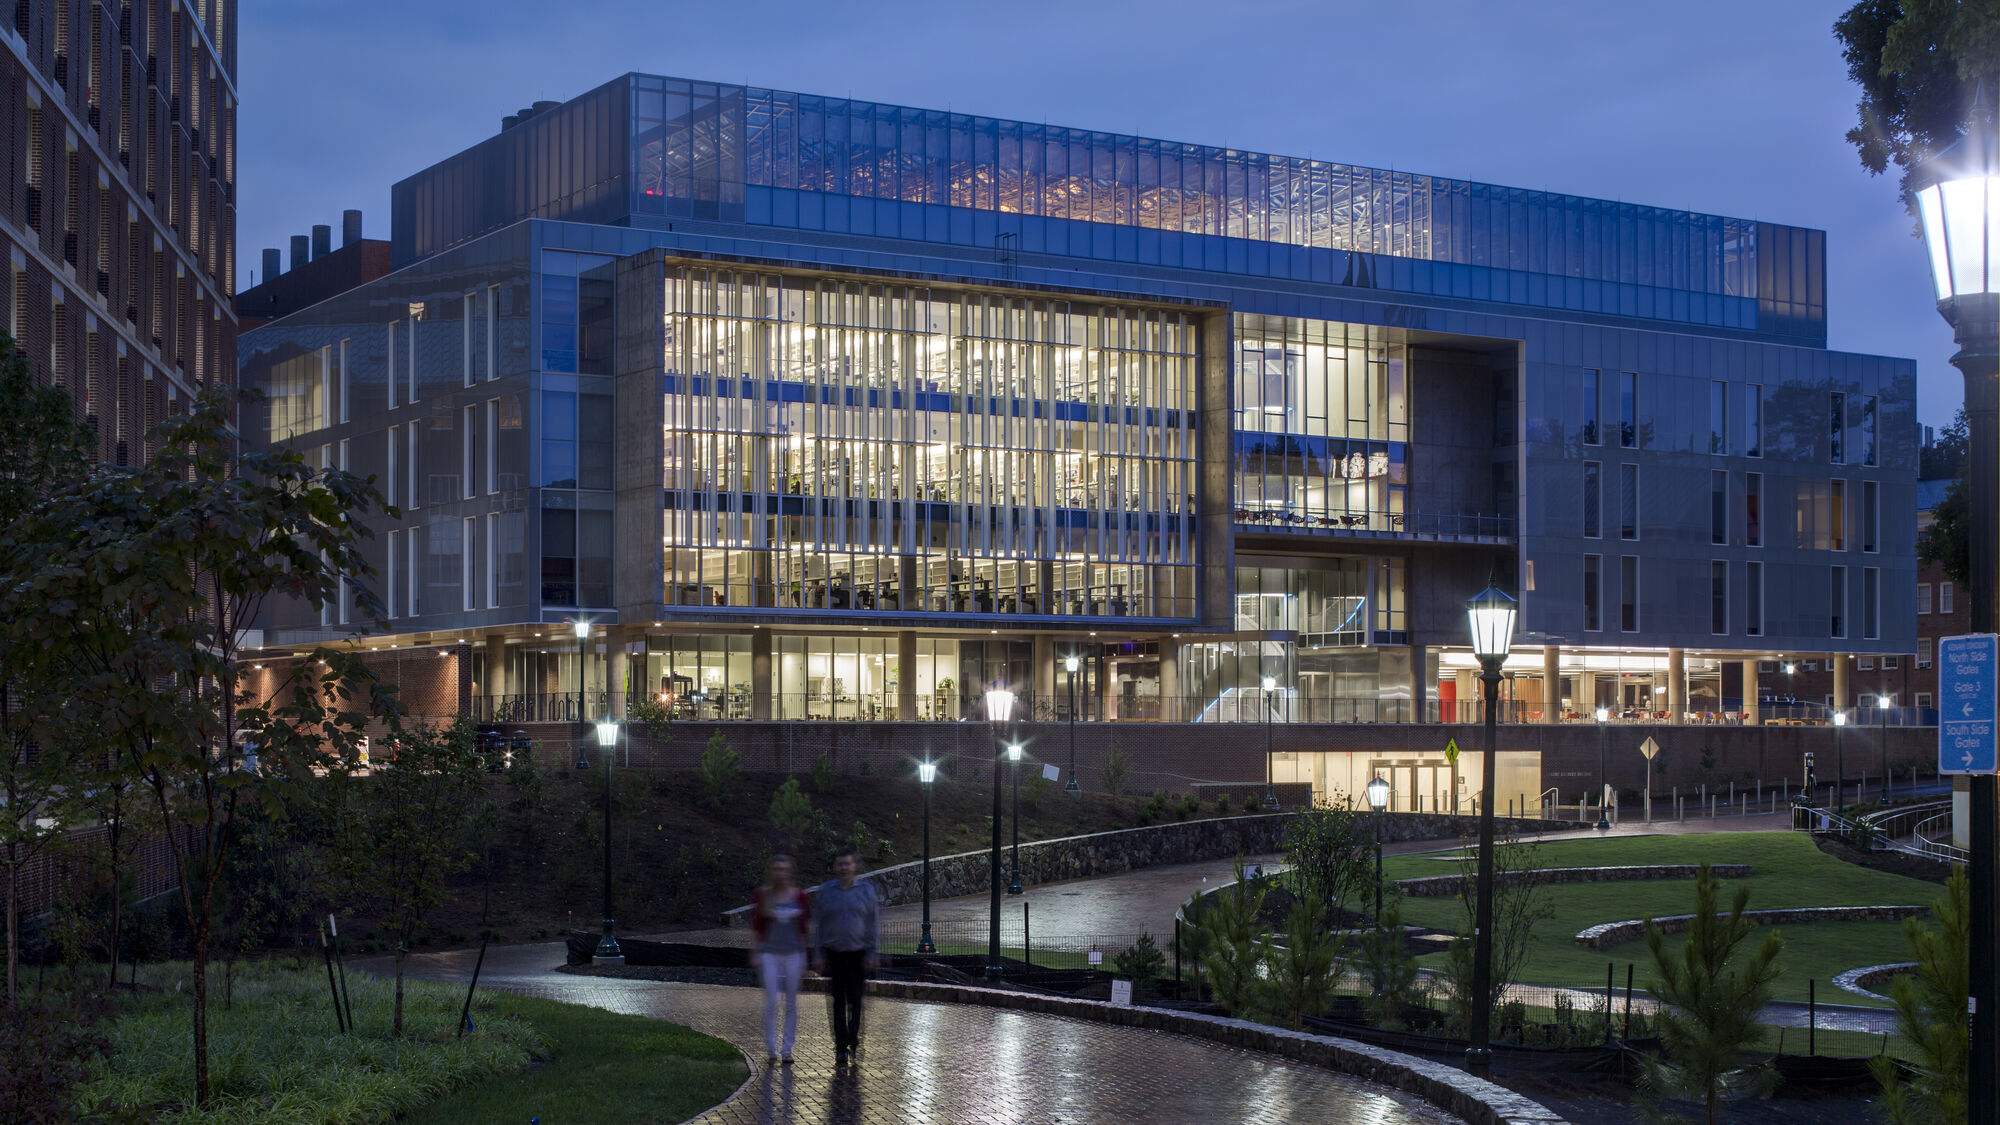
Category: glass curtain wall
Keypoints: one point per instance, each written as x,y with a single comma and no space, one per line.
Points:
1321,424
834,445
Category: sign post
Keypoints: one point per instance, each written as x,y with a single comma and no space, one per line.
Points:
1968,703
1451,756
1649,748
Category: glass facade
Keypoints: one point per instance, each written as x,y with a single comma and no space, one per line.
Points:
850,447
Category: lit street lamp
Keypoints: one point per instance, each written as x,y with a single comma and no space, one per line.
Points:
1839,760
582,630
927,773
1882,727
1378,799
607,738
999,706
1270,791
1070,665
1014,767
1603,814
1960,209
1491,616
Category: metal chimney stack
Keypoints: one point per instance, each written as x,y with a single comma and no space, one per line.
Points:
322,240
273,263
350,227
300,251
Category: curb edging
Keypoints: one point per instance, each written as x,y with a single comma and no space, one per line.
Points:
1475,1100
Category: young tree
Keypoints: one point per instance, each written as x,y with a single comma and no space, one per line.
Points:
1946,541
407,828
1709,997
1391,969
1300,973
142,583
1930,1015
1519,902
1916,62
1331,850
1234,941
42,448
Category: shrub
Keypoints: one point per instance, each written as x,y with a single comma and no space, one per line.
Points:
46,1048
791,809
1332,852
1141,963
1222,804
1116,769
1234,941
1386,961
1038,790
1154,808
1300,973
822,772
1930,1006
719,767
1188,806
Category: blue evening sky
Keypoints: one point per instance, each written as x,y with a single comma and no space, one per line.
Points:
1734,107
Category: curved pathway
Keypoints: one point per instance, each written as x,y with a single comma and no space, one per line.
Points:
926,1062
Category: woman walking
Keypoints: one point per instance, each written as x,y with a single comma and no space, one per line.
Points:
780,920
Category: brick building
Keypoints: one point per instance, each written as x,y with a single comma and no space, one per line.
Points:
118,215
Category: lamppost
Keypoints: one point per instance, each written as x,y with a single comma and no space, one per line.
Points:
1378,799
927,773
607,738
582,630
1070,665
1960,206
1491,616
1014,861
1603,814
1839,759
999,705
1270,791
1882,728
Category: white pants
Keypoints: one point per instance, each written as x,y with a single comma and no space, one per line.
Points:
781,973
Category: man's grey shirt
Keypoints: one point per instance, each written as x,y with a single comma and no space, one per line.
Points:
845,918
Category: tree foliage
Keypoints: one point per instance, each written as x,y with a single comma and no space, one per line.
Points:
1233,941
1299,973
719,766
1141,963
1943,457
1331,850
1519,902
1945,542
1930,1015
1709,1000
1917,63
142,583
1385,960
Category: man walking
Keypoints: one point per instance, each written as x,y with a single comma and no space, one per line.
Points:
845,917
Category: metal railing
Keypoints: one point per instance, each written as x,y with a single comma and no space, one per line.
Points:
1443,524
1924,840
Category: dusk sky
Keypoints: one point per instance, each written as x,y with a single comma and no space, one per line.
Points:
1736,108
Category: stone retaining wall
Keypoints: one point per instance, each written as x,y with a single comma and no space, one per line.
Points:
1475,1100
1631,929
1439,886
1130,849
1864,981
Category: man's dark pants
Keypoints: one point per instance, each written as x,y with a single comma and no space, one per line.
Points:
848,972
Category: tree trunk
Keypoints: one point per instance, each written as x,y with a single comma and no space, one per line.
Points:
13,934
200,951
396,1028
113,828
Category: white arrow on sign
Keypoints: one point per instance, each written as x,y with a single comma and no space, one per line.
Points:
1649,748
1968,759
1968,710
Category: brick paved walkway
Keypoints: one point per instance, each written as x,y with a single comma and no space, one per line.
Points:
924,1062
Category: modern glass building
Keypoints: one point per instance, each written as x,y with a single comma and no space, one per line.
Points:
819,408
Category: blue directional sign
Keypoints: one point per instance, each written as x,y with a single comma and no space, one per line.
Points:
1968,703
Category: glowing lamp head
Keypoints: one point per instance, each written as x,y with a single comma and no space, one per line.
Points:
1378,794
1013,751
607,733
1959,209
1071,664
1884,701
582,629
1840,718
926,771
1603,713
1270,683
999,705
1491,616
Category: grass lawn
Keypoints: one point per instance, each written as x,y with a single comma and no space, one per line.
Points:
1788,871
276,1057
601,1067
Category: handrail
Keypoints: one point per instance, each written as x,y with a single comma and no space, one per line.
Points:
1925,846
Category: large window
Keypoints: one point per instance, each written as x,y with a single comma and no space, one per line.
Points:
1718,416
1628,593
1628,409
1871,516
1593,499
1868,429
1836,428
1593,407
1753,420
841,446
1871,603
1753,599
1836,601
1593,592
1628,501
1316,378
1753,509
1718,506
1718,597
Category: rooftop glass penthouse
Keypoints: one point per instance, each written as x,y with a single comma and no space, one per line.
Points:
822,408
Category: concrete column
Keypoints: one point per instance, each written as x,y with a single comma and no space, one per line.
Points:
1842,665
760,675
1750,716
1468,692
1170,680
1044,685
1586,694
496,666
617,667
1551,683
906,674
1676,685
